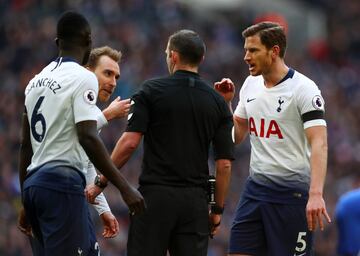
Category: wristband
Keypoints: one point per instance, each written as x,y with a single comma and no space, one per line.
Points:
215,209
98,182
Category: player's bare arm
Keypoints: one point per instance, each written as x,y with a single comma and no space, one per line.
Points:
111,225
223,173
123,150
117,109
25,155
96,151
226,88
26,151
240,129
316,209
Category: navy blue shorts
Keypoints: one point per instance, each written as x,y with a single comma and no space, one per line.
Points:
55,206
263,228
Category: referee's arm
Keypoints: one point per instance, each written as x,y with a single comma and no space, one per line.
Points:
223,172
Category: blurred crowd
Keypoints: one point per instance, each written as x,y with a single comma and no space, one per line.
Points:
140,29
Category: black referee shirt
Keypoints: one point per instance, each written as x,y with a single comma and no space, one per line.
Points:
180,117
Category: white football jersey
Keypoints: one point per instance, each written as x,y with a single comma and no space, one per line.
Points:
277,118
91,173
61,95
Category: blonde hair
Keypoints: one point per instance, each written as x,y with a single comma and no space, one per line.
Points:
96,53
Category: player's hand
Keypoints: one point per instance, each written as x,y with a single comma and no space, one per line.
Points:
134,200
315,211
117,109
91,192
111,225
23,224
214,220
226,88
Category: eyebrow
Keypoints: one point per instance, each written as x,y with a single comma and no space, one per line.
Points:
112,72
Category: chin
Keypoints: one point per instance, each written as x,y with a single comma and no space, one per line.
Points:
103,98
255,73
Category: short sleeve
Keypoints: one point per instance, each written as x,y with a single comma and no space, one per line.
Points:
222,142
311,105
138,117
101,120
240,110
84,99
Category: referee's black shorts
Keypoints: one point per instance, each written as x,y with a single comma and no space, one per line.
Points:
176,219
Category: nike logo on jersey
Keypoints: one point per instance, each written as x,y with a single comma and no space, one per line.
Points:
300,254
249,100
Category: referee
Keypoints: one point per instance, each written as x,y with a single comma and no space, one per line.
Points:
180,116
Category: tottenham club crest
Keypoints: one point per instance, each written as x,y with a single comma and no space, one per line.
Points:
318,102
90,96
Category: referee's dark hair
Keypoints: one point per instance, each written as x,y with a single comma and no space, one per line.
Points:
73,30
189,45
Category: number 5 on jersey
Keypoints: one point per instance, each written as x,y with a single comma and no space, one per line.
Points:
36,117
301,243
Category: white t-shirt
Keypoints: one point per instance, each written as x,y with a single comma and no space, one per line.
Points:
277,118
61,95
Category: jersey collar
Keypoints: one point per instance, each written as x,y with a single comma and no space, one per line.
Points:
289,74
64,59
186,73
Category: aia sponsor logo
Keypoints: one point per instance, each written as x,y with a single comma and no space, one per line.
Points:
267,129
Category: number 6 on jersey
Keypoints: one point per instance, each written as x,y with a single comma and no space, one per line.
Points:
36,117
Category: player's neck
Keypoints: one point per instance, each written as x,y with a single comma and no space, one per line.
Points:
77,56
275,74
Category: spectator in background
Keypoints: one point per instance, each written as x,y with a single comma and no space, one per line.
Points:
347,216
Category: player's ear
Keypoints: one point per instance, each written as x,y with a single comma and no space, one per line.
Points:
275,51
57,42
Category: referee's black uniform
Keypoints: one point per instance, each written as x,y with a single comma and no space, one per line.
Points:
180,117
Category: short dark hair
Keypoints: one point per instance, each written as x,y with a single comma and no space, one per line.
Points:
73,29
270,34
189,45
96,53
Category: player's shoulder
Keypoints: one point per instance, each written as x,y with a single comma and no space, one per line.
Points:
81,75
302,82
80,71
252,83
253,80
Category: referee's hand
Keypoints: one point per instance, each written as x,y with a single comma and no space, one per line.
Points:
214,220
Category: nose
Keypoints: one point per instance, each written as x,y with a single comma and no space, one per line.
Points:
246,56
113,81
